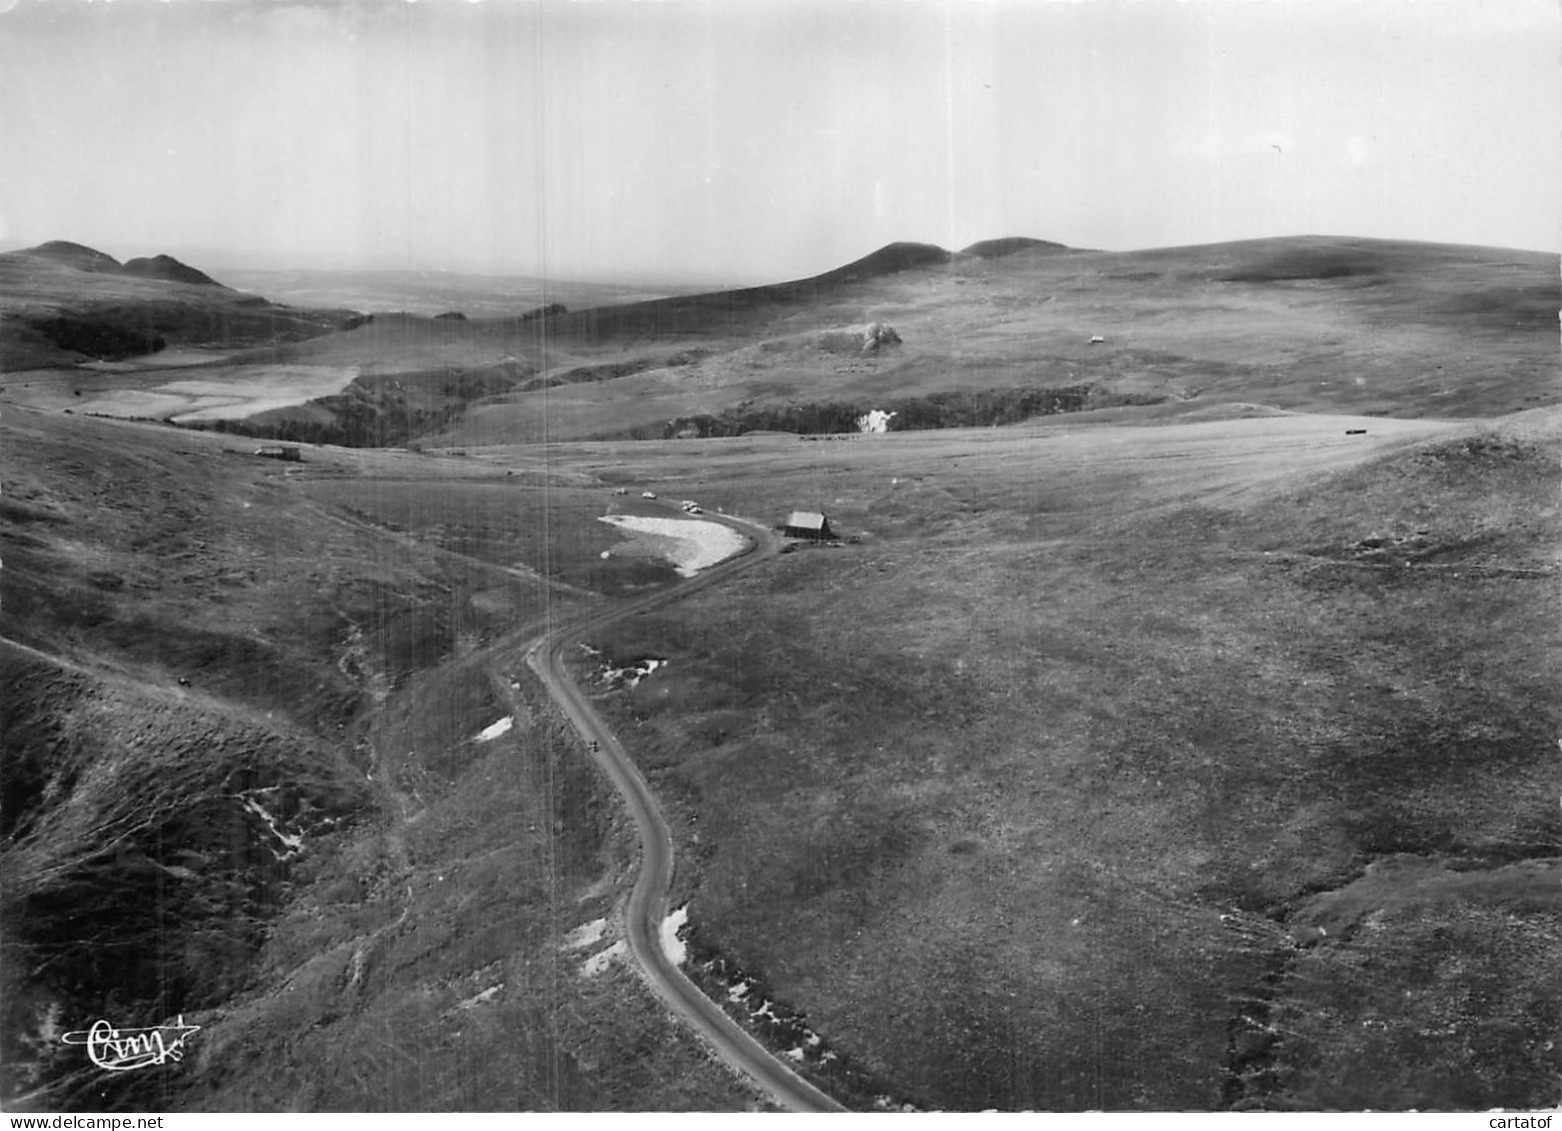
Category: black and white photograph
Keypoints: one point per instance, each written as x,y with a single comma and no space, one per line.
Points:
594,557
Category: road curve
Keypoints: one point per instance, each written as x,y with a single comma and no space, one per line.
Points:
648,901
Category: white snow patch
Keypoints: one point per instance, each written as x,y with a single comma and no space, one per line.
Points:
672,945
796,1054
479,999
875,421
690,544
764,1009
294,844
600,961
585,934
490,733
632,675
737,992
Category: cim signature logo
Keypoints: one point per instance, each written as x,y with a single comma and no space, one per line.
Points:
121,1050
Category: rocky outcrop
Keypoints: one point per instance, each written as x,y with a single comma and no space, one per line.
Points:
877,335
859,339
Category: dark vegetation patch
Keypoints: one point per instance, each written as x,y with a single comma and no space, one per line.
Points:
377,411
1305,263
960,409
114,330
1533,308
105,338
16,510
612,370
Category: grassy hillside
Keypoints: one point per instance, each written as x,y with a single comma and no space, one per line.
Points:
1309,324
1180,766
242,781
1083,780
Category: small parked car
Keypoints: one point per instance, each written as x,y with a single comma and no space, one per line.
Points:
648,494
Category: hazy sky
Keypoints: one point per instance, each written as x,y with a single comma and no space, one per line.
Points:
768,139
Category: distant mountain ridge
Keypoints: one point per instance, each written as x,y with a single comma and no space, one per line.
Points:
84,258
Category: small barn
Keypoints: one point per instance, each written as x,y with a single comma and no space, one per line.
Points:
281,451
808,524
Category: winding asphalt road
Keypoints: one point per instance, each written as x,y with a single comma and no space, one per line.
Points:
648,902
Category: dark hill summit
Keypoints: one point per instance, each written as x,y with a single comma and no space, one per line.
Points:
72,255
888,260
997,249
726,311
62,303
83,258
168,268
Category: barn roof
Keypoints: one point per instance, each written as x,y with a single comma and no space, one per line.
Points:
806,520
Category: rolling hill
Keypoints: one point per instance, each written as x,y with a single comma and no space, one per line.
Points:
1003,330
62,303
992,334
